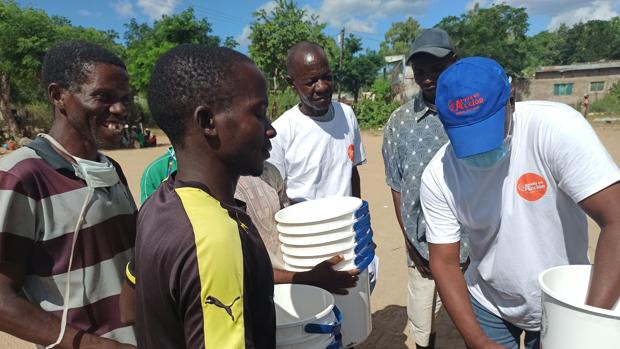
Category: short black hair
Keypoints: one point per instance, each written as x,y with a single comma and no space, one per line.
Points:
188,76
68,63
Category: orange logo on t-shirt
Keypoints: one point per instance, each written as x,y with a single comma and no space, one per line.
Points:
351,152
531,186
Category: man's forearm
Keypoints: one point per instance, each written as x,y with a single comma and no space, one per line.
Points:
605,288
455,297
22,319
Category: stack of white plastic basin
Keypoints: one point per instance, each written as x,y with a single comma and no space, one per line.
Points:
567,322
306,318
313,231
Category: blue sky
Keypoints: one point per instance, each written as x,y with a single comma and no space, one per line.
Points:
368,19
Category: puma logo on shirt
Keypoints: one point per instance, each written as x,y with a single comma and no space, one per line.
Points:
219,304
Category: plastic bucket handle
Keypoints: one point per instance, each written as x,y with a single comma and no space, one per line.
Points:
362,223
337,342
363,242
322,328
363,210
362,261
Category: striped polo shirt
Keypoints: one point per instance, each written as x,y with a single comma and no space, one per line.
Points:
204,275
40,201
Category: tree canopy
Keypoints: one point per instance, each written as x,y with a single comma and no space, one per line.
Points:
359,69
274,32
498,32
399,37
146,43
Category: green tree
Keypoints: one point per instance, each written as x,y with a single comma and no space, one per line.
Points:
590,41
26,35
274,32
497,32
399,37
145,43
358,69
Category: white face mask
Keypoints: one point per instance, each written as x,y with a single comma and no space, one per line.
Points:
97,175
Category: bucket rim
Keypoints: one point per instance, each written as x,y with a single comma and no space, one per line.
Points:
554,295
319,315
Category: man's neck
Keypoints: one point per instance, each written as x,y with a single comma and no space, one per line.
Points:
196,166
73,141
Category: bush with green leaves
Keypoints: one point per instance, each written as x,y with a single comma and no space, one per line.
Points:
374,112
608,104
281,101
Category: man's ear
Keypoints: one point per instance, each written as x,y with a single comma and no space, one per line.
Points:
56,94
203,116
290,81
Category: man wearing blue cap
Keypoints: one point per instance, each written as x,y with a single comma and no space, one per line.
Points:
412,136
517,181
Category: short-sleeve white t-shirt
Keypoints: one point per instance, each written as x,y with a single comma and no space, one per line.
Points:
315,156
522,215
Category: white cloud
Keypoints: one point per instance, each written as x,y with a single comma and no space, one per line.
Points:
569,12
157,8
244,38
602,10
362,15
268,6
124,9
85,13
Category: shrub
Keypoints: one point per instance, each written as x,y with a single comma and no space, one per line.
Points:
375,111
281,101
608,104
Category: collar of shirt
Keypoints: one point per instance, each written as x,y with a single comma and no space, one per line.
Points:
422,107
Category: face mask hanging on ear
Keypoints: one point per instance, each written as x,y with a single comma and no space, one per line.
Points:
97,175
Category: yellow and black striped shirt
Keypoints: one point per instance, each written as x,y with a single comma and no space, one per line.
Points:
204,275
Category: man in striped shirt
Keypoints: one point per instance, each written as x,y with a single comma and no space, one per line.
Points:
67,219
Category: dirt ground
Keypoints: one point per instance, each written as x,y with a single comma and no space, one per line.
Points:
389,298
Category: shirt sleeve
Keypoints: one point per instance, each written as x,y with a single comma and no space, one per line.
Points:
152,178
442,226
359,154
277,154
580,163
393,173
18,219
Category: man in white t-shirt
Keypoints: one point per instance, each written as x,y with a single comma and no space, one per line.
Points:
517,181
318,145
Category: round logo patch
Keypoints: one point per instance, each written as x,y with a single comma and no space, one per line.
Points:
351,152
531,186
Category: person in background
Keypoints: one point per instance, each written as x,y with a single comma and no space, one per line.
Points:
518,181
67,218
585,104
411,138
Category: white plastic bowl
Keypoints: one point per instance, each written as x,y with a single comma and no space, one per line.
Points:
339,223
304,240
330,248
311,262
313,211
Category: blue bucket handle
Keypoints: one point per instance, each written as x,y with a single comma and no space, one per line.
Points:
363,260
336,343
361,244
362,223
363,210
322,328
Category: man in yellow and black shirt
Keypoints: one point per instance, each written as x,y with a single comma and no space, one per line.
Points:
204,275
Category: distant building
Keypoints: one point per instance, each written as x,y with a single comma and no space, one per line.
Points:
401,77
569,83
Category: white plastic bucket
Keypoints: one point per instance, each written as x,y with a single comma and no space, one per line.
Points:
296,306
567,323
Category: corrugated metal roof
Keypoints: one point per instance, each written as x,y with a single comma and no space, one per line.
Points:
579,66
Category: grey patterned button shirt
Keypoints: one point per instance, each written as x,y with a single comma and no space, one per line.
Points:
411,138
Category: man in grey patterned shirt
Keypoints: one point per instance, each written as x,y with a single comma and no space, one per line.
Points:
412,136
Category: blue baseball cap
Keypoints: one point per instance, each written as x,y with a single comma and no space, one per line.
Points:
471,100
